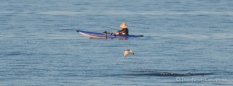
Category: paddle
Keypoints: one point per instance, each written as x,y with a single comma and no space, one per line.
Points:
108,33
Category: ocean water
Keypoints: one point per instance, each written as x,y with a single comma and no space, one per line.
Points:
186,42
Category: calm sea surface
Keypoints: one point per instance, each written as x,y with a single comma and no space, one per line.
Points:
186,42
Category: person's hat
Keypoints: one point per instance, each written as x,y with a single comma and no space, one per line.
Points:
124,25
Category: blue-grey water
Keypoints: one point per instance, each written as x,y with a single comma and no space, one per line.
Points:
186,42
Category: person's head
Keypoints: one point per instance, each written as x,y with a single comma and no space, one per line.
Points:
124,25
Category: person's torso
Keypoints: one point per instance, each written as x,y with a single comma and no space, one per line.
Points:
125,30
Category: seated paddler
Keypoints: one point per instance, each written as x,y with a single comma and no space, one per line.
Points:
124,30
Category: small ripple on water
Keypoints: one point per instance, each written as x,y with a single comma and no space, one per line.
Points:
166,74
155,73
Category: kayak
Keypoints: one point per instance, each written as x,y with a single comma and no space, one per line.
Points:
105,35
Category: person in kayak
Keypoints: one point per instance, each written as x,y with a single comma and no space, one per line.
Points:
124,30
